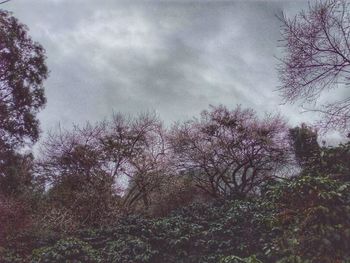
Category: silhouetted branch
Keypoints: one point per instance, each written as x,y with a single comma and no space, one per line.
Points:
317,58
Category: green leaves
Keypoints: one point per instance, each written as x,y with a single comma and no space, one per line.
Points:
199,233
128,249
9,256
313,219
69,250
235,259
22,73
302,220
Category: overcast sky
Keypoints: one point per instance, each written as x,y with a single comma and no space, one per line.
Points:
174,57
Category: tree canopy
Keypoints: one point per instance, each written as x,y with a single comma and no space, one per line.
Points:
22,73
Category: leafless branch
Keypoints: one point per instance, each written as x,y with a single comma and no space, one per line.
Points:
317,57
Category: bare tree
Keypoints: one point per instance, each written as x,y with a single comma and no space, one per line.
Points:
100,157
317,58
230,152
108,147
82,184
147,168
69,153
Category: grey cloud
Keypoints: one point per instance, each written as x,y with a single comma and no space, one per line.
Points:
175,57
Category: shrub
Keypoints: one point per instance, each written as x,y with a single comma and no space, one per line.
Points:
235,259
14,218
300,220
198,233
67,250
128,249
314,219
9,256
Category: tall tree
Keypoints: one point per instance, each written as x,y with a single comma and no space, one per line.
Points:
22,72
317,58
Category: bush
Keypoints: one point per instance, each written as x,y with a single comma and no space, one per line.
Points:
314,219
67,250
235,259
9,256
128,249
300,220
14,219
236,227
198,233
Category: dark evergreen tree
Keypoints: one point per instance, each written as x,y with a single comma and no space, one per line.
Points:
306,148
22,72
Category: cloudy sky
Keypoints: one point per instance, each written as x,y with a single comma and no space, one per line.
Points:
172,56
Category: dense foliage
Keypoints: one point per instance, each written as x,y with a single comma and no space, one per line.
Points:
67,250
314,218
22,72
305,219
